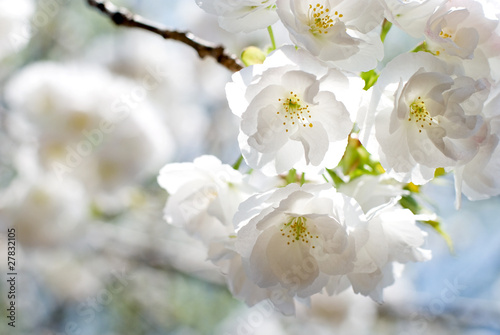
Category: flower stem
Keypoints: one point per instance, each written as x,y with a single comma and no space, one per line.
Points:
271,35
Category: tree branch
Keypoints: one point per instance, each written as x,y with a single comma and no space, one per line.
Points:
123,17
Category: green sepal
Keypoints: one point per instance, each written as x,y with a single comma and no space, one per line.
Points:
421,47
370,78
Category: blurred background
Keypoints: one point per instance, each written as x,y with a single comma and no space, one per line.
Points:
90,112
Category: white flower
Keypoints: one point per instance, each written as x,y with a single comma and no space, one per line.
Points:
459,27
410,15
426,117
294,238
300,240
335,30
295,112
204,195
241,15
393,238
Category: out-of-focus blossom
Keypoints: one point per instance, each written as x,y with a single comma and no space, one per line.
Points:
243,15
44,212
336,31
101,131
295,112
67,277
345,313
426,117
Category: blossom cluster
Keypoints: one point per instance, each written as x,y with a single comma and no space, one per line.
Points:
335,141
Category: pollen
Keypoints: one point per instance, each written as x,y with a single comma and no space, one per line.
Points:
297,230
321,19
294,110
420,115
445,34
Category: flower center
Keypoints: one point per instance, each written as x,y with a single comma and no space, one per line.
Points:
320,19
294,112
445,34
420,115
296,230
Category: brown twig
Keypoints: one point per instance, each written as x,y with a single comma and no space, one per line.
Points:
123,17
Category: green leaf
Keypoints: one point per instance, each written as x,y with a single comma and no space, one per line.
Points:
252,55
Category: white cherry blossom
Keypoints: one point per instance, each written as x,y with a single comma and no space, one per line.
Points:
426,117
300,240
460,27
335,30
241,15
295,111
294,238
393,239
203,196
